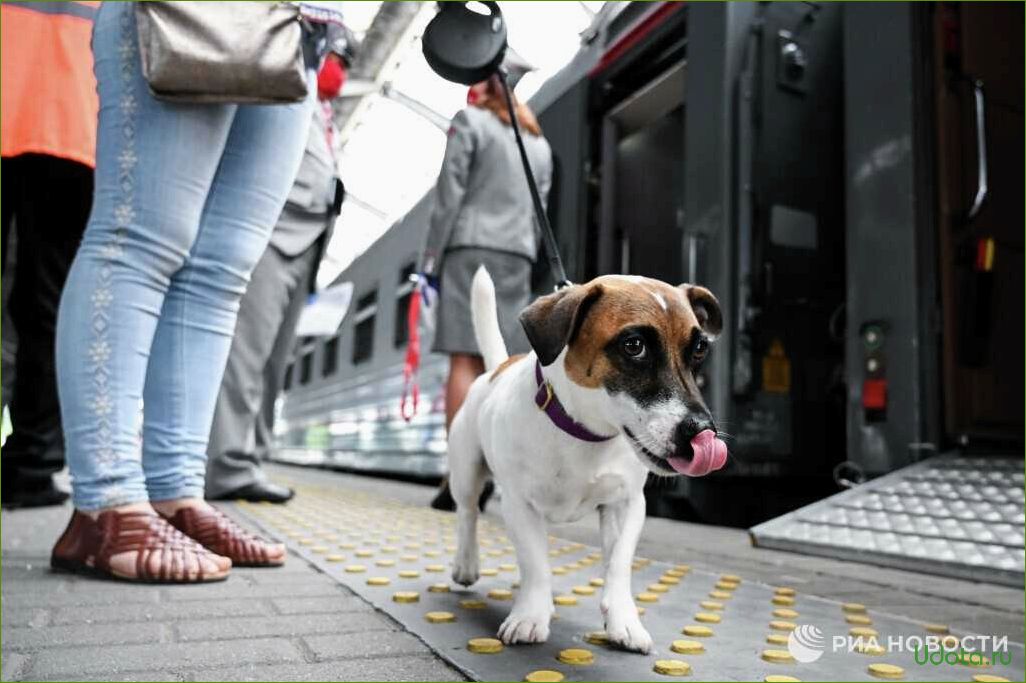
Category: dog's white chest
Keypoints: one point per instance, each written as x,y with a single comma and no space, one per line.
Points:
569,497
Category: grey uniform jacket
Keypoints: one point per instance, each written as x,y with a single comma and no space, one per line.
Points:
481,199
308,210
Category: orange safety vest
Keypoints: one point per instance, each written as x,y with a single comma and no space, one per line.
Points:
48,102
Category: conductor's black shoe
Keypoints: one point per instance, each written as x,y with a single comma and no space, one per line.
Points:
443,499
259,492
19,492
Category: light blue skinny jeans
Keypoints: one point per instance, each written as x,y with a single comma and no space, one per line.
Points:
186,197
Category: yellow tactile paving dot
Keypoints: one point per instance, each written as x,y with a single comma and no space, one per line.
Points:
708,618
406,596
489,571
720,595
776,639
544,676
335,558
355,568
712,605
725,585
777,656
785,613
647,597
385,562
989,678
671,667
782,600
784,590
853,608
500,594
485,646
687,647
597,638
440,617
669,580
565,600
780,678
576,656
559,571
939,629
434,568
583,590
697,631
598,582
886,670
378,581
657,588
782,625
472,603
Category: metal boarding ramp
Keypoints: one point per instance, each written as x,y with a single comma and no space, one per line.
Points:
949,515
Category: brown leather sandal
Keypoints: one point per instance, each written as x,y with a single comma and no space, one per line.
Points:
163,552
219,534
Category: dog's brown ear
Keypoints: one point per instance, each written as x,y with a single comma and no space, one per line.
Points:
706,308
553,320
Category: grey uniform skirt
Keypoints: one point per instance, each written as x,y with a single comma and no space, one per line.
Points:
511,273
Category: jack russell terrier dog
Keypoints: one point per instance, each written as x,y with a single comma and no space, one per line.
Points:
607,396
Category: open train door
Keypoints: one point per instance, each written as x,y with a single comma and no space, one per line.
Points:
979,111
934,146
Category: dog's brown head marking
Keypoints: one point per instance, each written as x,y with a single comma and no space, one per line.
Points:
626,333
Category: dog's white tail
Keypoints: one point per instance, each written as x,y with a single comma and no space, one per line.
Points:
485,314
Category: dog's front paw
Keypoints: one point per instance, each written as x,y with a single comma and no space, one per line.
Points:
525,627
465,570
625,631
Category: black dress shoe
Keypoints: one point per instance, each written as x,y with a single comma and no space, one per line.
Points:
19,492
260,492
443,499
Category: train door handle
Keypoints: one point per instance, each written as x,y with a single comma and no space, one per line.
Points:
981,151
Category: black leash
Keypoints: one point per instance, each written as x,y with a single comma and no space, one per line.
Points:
551,248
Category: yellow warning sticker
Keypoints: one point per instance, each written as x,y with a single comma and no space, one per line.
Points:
776,370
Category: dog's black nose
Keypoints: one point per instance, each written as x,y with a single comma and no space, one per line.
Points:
695,422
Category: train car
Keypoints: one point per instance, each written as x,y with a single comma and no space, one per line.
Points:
845,178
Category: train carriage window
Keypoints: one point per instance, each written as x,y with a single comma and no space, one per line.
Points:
330,357
363,327
305,367
288,377
403,292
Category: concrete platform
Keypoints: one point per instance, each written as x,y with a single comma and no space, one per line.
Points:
313,620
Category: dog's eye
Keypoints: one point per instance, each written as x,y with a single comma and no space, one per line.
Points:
634,347
701,349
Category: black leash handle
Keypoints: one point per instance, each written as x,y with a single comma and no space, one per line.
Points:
551,248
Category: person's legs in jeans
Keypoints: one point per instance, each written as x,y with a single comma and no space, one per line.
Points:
52,214
155,165
190,349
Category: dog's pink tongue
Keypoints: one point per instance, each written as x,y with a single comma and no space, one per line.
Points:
710,454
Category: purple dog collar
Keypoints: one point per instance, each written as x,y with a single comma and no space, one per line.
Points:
546,400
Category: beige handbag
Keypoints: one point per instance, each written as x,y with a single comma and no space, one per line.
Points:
242,52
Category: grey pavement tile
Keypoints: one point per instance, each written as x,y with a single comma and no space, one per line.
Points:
347,603
241,589
116,660
393,669
140,676
82,634
60,598
281,625
274,578
25,616
14,664
162,612
370,644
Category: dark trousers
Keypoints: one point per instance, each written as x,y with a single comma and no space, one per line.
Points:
242,433
47,201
